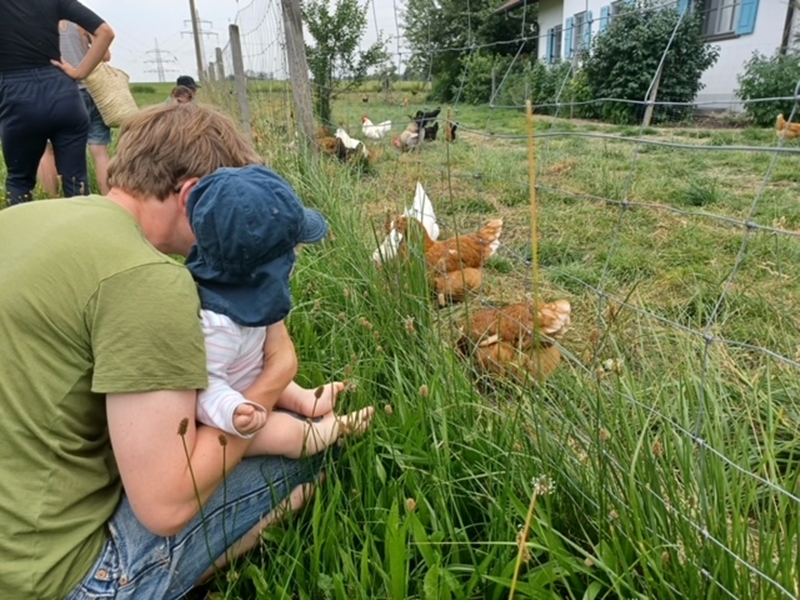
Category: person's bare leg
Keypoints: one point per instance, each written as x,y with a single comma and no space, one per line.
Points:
293,502
101,159
48,174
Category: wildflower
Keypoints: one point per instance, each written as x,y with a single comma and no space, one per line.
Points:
378,349
365,323
388,409
376,335
342,317
411,504
658,449
613,515
223,440
408,323
588,562
543,485
423,391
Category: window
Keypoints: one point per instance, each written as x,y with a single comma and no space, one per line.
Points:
558,34
578,27
616,8
720,17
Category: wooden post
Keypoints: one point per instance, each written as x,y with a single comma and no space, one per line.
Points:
212,72
220,65
648,112
298,69
196,35
241,80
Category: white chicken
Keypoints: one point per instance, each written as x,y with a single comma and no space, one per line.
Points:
372,131
421,210
351,143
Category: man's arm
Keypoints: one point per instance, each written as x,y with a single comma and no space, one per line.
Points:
161,483
89,41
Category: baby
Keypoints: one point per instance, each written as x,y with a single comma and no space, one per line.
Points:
248,222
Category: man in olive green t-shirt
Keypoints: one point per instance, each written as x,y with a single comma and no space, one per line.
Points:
101,348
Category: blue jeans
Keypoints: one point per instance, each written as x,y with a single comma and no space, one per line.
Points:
99,132
136,563
37,105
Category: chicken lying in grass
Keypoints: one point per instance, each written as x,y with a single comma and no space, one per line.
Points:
518,340
444,256
455,285
785,129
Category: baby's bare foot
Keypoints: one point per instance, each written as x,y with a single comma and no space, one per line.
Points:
322,400
248,418
327,432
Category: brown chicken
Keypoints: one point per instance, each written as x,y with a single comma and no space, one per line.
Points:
454,286
443,256
785,129
518,339
409,138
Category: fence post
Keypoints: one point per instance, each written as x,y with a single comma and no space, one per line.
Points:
241,80
648,111
220,64
212,72
298,69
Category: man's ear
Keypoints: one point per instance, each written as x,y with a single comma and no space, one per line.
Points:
186,189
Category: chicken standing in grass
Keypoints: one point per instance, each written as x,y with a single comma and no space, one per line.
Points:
372,131
468,250
410,138
455,285
517,340
785,129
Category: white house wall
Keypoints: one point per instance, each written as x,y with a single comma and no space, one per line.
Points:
551,13
720,80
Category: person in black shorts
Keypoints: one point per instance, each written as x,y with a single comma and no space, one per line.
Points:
39,96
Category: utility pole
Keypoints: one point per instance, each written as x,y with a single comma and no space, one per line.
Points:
159,61
197,32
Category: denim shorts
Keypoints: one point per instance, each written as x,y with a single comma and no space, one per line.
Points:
99,132
135,563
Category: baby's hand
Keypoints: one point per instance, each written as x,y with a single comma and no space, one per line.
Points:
248,418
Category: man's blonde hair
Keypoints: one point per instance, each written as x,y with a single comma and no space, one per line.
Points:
161,146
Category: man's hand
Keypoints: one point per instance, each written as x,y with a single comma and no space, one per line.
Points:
66,67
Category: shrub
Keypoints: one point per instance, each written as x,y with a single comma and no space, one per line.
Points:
475,84
626,56
772,77
542,84
138,88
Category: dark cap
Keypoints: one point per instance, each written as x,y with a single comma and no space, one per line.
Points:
247,222
187,81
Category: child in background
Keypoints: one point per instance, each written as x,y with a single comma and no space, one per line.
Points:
248,222
181,94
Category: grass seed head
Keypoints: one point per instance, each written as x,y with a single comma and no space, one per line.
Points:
423,391
183,427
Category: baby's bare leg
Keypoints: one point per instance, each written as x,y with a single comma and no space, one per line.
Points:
289,436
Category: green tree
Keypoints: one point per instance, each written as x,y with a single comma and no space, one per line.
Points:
446,35
773,77
625,58
336,62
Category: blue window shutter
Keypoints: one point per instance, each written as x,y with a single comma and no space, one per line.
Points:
551,35
587,30
570,49
605,15
747,17
682,6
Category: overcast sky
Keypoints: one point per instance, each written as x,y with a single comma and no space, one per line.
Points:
140,23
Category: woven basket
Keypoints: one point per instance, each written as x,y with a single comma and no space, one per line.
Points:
111,93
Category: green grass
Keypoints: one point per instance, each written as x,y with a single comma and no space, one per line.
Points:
673,460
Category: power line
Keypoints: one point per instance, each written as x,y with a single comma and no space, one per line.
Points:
159,61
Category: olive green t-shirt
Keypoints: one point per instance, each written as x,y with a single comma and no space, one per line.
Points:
87,307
